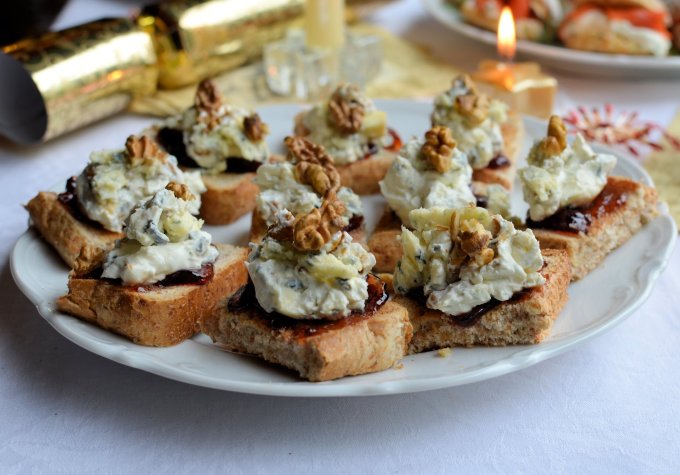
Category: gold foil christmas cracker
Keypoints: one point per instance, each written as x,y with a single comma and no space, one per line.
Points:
196,39
64,80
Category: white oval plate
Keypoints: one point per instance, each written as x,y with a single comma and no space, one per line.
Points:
615,66
598,302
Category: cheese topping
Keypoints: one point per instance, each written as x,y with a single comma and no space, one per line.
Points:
114,182
487,258
281,189
329,283
481,142
161,237
497,200
573,177
347,147
211,145
411,183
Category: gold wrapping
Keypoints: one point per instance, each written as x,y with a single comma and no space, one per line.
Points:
87,72
67,79
196,39
523,86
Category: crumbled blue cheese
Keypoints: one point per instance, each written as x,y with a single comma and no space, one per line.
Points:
330,283
411,183
280,189
210,147
481,143
455,287
113,183
161,237
347,148
573,177
497,199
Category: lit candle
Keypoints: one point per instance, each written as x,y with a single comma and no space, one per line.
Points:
523,86
325,23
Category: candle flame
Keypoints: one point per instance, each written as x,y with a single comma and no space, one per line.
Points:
507,39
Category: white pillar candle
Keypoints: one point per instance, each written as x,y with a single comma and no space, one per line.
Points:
325,23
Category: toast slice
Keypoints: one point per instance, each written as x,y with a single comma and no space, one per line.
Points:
384,242
80,244
258,229
154,315
228,197
318,351
631,206
513,136
363,175
524,319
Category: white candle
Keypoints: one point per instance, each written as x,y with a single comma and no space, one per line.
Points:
325,23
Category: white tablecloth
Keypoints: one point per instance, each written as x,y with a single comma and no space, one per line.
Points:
611,405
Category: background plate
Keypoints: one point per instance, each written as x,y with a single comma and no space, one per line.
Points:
598,302
614,66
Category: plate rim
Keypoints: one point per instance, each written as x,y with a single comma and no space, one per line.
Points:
448,16
524,356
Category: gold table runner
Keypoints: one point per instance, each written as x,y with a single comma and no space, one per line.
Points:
407,72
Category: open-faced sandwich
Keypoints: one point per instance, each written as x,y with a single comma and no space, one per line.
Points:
161,278
535,20
311,304
637,27
427,173
298,184
226,143
483,128
470,278
355,134
84,222
574,205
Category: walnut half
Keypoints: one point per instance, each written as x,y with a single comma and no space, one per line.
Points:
180,191
140,149
313,165
471,240
473,107
207,101
346,114
438,148
254,128
314,229
556,140
315,176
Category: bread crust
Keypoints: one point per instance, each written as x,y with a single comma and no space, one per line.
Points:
384,242
587,251
258,229
513,136
369,344
79,244
228,197
162,316
364,175
525,319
